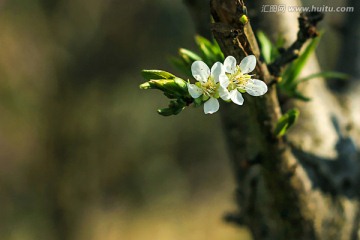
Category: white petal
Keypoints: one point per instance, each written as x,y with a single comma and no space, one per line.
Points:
194,90
224,93
236,97
224,80
230,64
211,106
248,64
217,70
200,71
256,87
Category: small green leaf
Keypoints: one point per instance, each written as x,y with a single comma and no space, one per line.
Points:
165,112
156,74
175,107
198,101
266,46
172,88
286,121
145,85
181,83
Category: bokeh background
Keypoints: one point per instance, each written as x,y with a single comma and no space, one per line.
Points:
83,153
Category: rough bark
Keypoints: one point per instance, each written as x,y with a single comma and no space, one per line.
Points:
304,187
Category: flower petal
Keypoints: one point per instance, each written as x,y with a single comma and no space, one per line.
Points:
217,70
194,90
230,64
211,106
236,97
224,80
256,87
224,93
200,71
248,64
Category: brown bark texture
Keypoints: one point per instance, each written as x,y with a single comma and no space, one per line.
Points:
303,186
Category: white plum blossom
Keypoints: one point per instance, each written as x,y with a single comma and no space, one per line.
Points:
239,81
208,85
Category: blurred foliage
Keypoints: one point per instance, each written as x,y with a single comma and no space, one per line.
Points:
290,77
81,154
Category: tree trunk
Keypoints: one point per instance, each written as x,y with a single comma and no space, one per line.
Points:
307,185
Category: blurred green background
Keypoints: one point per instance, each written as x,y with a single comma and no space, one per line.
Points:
83,153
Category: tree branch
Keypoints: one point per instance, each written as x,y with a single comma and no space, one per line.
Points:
279,188
287,184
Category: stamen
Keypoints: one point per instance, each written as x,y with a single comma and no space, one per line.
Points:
238,79
209,87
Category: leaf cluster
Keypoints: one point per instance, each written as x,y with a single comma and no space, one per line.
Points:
173,88
208,51
290,77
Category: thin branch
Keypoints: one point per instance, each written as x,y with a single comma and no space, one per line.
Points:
307,30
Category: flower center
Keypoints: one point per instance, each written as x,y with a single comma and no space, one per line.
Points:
209,88
238,79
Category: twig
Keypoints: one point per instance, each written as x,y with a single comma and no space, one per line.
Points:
307,30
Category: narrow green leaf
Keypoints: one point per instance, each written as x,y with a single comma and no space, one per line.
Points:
327,74
205,47
293,71
266,46
203,41
156,74
210,53
217,51
188,56
298,95
210,50
286,121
